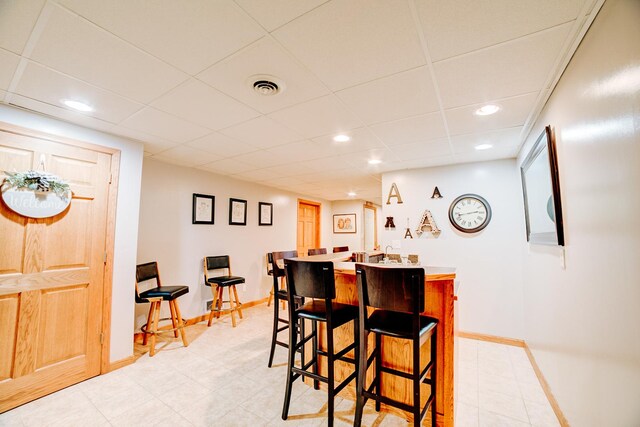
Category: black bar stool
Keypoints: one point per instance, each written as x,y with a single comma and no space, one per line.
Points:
279,295
397,295
309,279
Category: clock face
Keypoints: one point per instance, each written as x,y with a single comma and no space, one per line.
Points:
470,213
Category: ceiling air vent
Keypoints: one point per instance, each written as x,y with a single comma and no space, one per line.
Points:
266,85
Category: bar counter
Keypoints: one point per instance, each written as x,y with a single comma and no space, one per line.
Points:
396,353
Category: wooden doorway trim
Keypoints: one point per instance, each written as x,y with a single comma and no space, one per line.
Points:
112,198
369,205
318,224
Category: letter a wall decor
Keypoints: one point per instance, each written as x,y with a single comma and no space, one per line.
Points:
394,192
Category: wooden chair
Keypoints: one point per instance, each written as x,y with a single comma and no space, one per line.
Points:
390,300
219,283
337,249
155,296
317,251
316,280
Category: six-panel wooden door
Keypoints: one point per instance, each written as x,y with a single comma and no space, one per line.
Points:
308,227
51,273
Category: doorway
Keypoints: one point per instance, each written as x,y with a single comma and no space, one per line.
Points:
55,281
370,227
308,235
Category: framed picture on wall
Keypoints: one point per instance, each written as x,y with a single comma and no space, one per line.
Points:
541,188
237,212
203,209
344,223
265,213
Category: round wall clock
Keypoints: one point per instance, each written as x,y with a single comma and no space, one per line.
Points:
470,213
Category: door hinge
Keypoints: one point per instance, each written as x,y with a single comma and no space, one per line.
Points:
101,338
104,257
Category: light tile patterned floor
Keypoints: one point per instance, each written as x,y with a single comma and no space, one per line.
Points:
222,379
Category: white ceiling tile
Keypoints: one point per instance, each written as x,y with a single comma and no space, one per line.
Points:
258,175
227,167
63,114
512,68
501,138
514,112
290,169
275,13
261,159
17,18
190,35
262,132
348,42
361,159
318,117
361,139
390,98
299,151
51,87
80,49
285,182
198,103
186,156
154,146
482,156
326,164
164,125
422,150
419,163
413,129
8,64
264,57
455,27
221,144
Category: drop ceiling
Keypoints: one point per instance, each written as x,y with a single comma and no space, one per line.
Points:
402,78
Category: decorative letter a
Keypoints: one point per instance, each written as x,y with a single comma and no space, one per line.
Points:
393,192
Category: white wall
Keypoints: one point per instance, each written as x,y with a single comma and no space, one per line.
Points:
488,263
355,241
126,216
582,323
167,235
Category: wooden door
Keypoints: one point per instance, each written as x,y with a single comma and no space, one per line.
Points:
51,273
308,226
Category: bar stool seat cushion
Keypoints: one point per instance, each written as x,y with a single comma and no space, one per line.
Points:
167,293
225,280
396,324
317,310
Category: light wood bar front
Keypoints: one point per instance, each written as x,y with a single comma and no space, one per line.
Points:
396,353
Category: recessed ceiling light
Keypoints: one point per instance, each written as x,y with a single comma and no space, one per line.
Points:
342,138
375,161
487,110
77,105
351,194
483,146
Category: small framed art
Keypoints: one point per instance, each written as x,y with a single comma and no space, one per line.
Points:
344,223
237,212
265,213
203,209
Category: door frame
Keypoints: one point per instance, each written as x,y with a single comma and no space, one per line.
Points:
318,205
112,197
369,205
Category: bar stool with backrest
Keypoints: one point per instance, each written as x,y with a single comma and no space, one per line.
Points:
397,296
317,251
337,249
155,296
315,280
280,294
219,283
